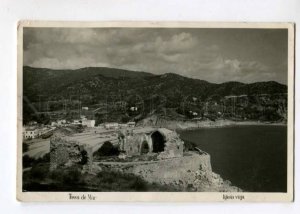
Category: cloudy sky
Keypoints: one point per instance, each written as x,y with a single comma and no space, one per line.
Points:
215,55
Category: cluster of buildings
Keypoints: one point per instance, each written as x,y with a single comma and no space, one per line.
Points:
35,131
83,121
32,132
118,125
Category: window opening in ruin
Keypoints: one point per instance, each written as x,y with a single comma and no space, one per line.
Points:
158,142
144,147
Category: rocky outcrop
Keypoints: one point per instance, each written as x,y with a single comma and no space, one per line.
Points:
205,181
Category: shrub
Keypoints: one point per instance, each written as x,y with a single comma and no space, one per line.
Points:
125,119
27,161
72,176
25,147
114,181
84,157
39,172
44,159
189,146
57,175
67,176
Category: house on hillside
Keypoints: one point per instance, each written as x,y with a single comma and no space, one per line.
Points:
88,123
131,124
76,122
32,123
133,108
31,133
111,125
61,122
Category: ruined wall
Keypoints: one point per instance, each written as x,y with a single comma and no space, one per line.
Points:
170,170
166,171
173,148
133,144
172,145
192,172
64,152
188,173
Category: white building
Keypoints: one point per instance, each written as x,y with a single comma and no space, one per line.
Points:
85,108
60,122
111,125
32,123
123,125
76,122
133,108
30,133
88,123
131,124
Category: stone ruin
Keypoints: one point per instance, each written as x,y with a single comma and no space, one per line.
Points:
189,172
66,153
162,141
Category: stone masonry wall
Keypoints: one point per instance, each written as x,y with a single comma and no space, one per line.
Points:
192,172
168,170
63,152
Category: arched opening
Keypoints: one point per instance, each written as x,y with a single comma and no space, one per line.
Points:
144,147
107,149
158,141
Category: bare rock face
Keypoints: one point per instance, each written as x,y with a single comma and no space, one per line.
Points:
207,181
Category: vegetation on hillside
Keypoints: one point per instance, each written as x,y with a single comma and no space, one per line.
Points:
120,95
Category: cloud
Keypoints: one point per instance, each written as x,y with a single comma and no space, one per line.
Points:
158,51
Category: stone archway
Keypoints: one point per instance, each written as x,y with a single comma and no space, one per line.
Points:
145,147
158,142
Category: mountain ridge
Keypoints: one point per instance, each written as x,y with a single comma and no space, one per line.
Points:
115,91
93,80
100,69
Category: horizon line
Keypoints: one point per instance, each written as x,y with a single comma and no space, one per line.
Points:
73,69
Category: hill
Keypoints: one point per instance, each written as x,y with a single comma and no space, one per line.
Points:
93,81
93,86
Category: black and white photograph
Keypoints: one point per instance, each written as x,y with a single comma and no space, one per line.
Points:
203,112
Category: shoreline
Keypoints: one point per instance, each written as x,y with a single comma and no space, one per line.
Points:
193,125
